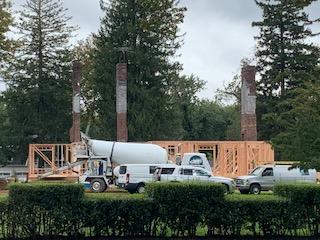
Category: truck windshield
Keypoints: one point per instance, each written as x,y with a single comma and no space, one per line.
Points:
256,171
123,170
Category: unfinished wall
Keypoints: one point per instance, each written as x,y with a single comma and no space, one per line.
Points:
227,158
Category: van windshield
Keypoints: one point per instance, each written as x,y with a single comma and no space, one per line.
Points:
256,171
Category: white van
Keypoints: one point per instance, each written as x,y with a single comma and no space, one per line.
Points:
133,177
263,178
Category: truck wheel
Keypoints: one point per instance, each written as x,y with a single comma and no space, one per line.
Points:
244,191
255,189
141,188
225,188
98,185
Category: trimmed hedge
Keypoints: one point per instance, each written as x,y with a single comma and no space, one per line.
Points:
171,209
304,202
126,218
299,193
182,205
46,195
45,209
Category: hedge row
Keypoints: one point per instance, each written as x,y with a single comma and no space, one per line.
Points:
168,210
304,201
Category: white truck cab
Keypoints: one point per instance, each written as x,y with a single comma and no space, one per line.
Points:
264,177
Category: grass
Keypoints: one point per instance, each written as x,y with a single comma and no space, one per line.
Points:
113,196
250,197
3,197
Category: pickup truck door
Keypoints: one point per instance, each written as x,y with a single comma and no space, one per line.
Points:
201,175
186,174
267,179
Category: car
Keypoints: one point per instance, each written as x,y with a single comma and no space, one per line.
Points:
133,177
263,178
175,173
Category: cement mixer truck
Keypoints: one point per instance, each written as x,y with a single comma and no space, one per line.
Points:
100,173
101,157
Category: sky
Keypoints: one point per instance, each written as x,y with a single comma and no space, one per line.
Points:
218,35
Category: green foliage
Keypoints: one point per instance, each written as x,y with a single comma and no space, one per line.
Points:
182,205
38,98
6,20
304,203
121,217
287,60
46,195
150,30
258,215
170,209
305,194
300,136
208,120
49,209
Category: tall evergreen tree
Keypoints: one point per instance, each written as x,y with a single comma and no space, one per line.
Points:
150,30
209,120
301,139
286,61
38,97
5,23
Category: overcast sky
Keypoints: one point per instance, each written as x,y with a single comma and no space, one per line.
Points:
218,35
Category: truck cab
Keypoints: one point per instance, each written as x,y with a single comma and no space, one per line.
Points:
97,176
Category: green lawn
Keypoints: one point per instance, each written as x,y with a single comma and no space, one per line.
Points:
113,195
262,196
118,194
3,197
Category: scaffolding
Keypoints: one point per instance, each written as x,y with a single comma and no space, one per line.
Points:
227,158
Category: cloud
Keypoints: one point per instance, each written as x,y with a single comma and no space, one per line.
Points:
218,34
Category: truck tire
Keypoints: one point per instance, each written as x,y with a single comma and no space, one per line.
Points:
98,185
141,188
255,188
225,189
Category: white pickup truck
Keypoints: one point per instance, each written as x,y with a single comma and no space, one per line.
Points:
183,173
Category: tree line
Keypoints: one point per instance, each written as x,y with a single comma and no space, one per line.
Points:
162,102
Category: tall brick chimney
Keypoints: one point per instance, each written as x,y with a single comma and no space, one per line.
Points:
121,102
74,133
248,104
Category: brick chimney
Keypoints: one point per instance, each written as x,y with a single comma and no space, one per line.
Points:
75,135
248,104
121,102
